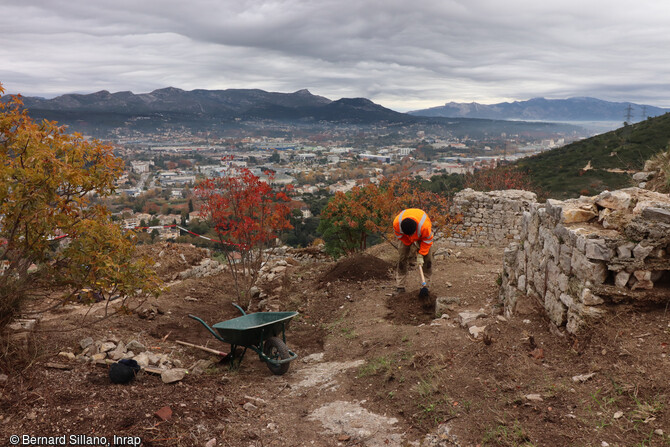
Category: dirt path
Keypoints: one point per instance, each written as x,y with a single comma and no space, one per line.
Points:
374,370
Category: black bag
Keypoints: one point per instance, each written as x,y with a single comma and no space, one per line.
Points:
123,371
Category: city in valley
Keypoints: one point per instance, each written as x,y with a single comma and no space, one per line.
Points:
162,167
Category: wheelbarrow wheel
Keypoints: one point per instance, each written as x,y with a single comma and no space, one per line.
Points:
276,349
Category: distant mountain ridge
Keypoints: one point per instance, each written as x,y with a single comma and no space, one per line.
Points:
246,104
172,99
104,114
541,109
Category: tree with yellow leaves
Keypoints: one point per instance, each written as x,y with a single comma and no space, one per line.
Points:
53,234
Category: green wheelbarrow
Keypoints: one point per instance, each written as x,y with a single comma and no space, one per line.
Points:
263,332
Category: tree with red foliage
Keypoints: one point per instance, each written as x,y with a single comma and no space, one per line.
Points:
248,216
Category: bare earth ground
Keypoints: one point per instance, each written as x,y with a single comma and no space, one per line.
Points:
373,370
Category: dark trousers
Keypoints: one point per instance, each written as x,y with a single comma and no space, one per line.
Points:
407,258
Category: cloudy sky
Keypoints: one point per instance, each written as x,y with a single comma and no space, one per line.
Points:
403,54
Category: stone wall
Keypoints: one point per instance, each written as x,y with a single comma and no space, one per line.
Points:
489,218
576,257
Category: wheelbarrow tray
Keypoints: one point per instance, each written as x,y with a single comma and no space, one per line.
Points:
253,329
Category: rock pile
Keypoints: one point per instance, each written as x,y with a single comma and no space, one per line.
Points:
207,267
577,254
114,349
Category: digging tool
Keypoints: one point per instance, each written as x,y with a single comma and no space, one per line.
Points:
203,348
423,293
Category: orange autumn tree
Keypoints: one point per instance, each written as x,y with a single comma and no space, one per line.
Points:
499,178
351,218
248,216
53,233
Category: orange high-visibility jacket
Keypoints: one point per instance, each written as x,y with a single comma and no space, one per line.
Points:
424,230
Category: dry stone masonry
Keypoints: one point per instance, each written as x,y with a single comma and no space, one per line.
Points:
489,218
577,256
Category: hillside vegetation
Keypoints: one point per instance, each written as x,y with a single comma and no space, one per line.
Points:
602,162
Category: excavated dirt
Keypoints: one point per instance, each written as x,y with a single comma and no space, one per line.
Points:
358,267
373,369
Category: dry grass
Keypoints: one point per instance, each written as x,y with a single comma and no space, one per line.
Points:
661,164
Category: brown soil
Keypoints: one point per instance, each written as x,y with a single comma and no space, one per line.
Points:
358,267
365,357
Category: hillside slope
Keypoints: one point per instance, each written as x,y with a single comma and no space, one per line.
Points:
373,370
605,161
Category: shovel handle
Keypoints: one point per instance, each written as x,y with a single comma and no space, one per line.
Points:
423,280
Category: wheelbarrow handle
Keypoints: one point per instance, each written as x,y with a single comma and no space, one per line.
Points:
208,328
239,308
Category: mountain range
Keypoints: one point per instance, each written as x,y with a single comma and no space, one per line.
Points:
541,109
243,104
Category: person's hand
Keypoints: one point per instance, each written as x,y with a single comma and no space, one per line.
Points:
419,260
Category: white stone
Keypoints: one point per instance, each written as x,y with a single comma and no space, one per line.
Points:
643,280
625,251
173,375
621,278
67,355
465,318
615,200
555,309
640,251
476,330
86,342
583,377
589,299
135,346
107,346
142,359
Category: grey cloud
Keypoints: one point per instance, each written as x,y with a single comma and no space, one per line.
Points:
407,54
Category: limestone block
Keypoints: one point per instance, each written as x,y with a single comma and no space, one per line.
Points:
510,254
555,309
521,260
539,282
551,246
625,251
142,359
577,215
567,300
173,375
621,278
642,251
643,280
563,282
656,214
521,284
584,268
614,200
589,299
642,176
107,346
575,323
555,208
607,218
552,271
598,249
588,312
580,243
565,261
